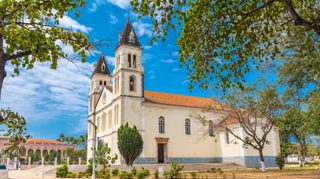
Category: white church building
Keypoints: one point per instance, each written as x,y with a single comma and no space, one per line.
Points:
164,120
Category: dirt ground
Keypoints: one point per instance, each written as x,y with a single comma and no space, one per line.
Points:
256,174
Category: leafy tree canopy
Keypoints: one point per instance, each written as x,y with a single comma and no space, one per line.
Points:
130,143
221,39
103,155
14,125
30,32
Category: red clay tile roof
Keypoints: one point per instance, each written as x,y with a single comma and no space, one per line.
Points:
44,141
180,100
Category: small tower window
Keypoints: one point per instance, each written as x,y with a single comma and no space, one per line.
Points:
132,83
187,126
131,37
134,61
227,137
103,68
211,132
161,125
129,60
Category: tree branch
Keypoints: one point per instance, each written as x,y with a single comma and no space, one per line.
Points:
298,20
17,55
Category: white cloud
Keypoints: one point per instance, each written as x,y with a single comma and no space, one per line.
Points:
168,60
152,77
110,60
142,28
68,22
123,4
93,8
113,19
147,47
146,57
185,81
43,94
175,69
175,54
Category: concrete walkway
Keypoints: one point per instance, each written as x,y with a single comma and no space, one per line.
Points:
33,173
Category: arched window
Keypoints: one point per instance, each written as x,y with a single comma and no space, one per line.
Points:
132,83
103,67
187,126
161,125
134,61
227,137
100,86
211,132
129,60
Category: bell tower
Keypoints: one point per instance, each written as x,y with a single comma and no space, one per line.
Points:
128,75
100,77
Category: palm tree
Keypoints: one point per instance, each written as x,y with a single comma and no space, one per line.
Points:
15,147
61,137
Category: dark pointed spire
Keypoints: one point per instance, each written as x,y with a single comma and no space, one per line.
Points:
101,66
128,36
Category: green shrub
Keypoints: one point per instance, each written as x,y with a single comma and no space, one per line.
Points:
193,175
279,161
89,168
134,171
115,172
174,171
156,174
125,175
216,170
71,175
62,171
219,171
103,173
141,174
80,175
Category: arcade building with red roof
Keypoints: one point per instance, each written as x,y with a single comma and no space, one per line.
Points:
41,146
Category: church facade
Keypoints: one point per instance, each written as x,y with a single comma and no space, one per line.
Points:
164,120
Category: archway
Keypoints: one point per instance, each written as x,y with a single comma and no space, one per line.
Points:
44,153
51,156
37,156
59,155
30,152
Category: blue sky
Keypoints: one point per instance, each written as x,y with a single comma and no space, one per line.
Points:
55,101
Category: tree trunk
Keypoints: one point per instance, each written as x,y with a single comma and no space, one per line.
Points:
2,73
263,166
303,155
129,167
2,61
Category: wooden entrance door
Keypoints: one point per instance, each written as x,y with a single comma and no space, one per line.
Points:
160,153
